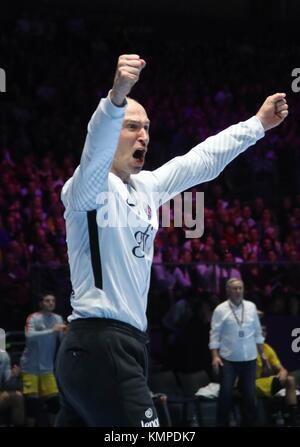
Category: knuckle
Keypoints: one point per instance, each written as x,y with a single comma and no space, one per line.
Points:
122,64
122,72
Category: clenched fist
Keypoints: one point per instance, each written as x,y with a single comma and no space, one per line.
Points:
273,111
127,74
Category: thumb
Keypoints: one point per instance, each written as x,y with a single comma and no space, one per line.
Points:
143,64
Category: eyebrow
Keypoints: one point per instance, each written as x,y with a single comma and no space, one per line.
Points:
128,120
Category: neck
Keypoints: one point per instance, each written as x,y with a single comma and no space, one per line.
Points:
236,302
124,176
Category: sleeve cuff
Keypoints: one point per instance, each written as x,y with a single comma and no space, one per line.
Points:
257,127
259,340
214,345
110,109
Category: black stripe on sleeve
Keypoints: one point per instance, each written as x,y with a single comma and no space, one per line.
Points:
95,248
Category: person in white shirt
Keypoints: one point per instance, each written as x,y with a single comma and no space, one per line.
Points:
101,366
235,338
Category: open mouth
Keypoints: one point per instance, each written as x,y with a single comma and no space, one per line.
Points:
139,154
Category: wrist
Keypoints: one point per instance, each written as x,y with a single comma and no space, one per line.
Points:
262,121
116,99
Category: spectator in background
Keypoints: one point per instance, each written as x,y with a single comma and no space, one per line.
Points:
183,273
235,338
162,274
271,377
11,399
246,217
225,271
206,273
44,330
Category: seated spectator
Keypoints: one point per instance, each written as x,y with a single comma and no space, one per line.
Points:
230,235
272,377
183,273
225,271
11,399
212,277
162,274
206,273
195,245
246,217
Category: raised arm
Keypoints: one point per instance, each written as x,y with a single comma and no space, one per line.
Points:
206,160
90,177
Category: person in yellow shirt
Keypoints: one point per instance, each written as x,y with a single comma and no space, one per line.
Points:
272,377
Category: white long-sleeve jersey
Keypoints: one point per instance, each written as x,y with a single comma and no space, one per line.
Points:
110,264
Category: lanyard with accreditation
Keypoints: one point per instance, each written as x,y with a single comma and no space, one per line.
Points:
239,322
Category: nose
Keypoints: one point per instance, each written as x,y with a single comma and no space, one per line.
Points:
143,137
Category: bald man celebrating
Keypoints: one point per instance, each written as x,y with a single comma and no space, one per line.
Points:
111,220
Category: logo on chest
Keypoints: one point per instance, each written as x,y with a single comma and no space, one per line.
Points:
143,242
